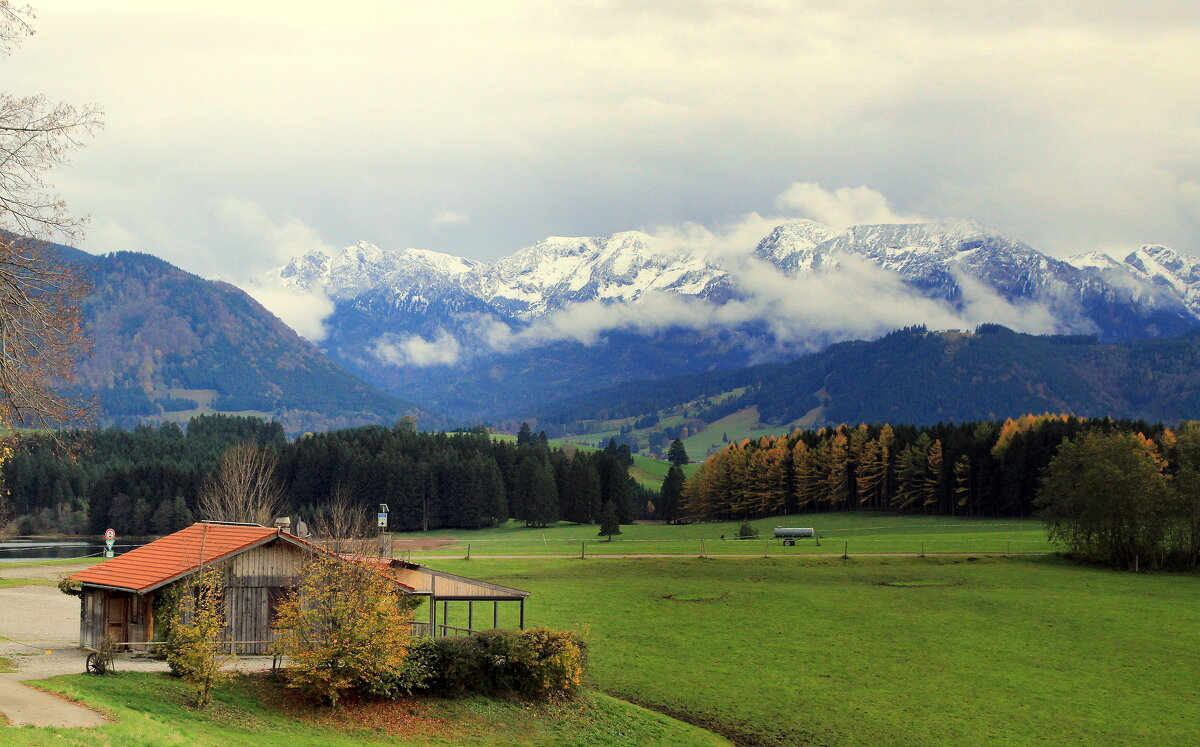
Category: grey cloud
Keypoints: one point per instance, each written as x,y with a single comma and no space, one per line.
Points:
1068,124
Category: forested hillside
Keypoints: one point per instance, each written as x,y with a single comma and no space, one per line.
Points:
146,481
168,345
910,376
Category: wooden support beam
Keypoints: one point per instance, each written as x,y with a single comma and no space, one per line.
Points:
495,614
522,614
470,615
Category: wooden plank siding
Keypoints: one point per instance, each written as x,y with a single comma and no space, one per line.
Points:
254,578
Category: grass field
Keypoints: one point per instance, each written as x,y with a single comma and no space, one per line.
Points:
898,651
856,532
152,709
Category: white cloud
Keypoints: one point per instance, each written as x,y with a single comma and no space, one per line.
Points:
303,311
449,218
842,207
249,223
414,350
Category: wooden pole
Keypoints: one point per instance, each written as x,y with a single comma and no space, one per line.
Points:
845,550
470,615
522,613
445,613
468,551
495,614
582,550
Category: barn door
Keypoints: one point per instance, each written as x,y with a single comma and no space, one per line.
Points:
116,616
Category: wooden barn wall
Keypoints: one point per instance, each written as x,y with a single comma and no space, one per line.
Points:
251,578
91,623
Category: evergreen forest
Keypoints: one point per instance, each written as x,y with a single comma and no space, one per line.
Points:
147,480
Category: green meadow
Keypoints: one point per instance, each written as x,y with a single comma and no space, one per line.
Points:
855,532
154,709
876,650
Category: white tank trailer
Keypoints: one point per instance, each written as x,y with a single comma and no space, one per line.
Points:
789,535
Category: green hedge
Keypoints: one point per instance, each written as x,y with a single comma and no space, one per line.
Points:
534,663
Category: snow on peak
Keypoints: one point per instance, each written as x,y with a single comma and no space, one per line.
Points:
1096,260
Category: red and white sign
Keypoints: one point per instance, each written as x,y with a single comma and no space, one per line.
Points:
110,535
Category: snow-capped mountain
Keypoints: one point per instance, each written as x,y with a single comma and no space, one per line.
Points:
621,268
407,301
1167,268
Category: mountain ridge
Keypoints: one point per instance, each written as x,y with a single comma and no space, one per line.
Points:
168,344
409,320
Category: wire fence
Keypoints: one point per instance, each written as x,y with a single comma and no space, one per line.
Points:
840,544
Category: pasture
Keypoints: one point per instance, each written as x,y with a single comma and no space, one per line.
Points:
856,532
876,650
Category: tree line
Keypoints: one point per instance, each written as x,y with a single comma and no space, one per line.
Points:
149,480
968,469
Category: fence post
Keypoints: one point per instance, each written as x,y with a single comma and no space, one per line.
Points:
468,551
845,551
582,549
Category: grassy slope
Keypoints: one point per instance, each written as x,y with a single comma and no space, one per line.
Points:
646,470
151,710
735,426
822,651
863,532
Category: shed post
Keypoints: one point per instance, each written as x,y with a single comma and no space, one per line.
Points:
470,615
445,614
495,615
432,616
522,613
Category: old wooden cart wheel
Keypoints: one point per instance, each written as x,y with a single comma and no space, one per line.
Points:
96,664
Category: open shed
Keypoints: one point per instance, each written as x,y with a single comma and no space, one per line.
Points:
119,597
443,588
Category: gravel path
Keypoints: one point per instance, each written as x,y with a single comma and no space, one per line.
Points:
39,633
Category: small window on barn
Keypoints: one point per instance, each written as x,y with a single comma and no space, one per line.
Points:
275,597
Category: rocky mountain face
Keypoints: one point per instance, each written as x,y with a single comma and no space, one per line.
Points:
391,301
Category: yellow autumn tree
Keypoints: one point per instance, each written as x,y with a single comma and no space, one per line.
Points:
344,628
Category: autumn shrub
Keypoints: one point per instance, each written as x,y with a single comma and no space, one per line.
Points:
196,643
418,671
535,663
344,628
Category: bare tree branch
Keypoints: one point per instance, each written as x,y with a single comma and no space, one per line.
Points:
40,330
244,487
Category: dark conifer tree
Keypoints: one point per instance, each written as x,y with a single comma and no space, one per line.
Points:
609,525
525,435
677,454
671,496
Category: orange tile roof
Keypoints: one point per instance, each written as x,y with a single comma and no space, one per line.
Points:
175,555
155,564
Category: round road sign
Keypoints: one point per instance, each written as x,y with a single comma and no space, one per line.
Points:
110,534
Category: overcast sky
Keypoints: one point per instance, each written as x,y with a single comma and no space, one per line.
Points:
238,134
